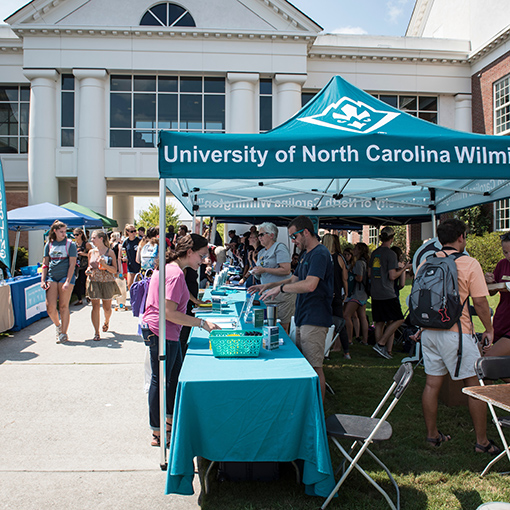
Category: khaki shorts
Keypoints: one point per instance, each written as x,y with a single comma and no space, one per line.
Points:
440,353
311,341
286,304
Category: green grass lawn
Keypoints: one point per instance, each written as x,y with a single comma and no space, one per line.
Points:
429,479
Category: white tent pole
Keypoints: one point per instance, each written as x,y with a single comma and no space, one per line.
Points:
432,192
15,252
434,221
201,227
213,231
162,323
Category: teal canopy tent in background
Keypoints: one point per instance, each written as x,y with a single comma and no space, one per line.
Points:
344,154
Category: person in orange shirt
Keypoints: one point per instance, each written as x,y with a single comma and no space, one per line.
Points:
440,346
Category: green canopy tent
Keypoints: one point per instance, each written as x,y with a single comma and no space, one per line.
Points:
107,222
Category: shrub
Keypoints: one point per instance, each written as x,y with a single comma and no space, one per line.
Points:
486,249
414,247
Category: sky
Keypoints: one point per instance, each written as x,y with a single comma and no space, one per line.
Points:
374,17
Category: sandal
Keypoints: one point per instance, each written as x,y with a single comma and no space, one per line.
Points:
156,440
492,448
106,325
96,338
436,441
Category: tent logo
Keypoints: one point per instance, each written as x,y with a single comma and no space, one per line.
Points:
350,115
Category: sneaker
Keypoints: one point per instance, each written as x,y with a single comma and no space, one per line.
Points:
347,356
62,338
381,350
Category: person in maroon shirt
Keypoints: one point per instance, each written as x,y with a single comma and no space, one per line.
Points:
501,321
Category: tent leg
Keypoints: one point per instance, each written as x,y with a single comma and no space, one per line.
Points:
213,231
15,253
434,226
162,322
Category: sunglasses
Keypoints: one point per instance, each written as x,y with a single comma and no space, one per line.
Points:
294,235
262,234
131,231
505,237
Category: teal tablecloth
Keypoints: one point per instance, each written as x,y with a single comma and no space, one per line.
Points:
248,409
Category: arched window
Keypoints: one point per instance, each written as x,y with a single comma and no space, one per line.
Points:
166,14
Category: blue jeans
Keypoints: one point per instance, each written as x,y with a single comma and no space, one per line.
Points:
173,368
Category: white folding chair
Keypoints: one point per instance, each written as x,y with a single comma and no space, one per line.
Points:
494,368
366,430
330,340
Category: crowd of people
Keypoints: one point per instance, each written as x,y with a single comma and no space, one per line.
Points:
319,284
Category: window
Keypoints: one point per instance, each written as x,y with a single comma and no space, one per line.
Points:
502,215
140,105
502,107
14,110
266,105
423,107
306,97
167,15
373,235
67,111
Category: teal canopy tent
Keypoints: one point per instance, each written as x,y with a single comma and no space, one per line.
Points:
344,154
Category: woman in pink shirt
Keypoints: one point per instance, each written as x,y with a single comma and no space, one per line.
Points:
189,252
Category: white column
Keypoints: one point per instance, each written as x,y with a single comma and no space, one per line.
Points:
42,144
91,138
243,116
288,96
463,113
123,210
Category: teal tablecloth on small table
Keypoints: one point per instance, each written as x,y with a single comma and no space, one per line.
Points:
265,409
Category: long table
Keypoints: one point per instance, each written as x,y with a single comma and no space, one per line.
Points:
265,409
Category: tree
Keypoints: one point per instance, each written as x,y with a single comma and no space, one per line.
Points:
150,217
477,218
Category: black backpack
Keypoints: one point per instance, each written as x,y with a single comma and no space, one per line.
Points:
434,301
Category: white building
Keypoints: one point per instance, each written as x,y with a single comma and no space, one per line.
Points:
86,84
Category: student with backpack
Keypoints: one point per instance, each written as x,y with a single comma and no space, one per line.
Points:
57,277
441,347
386,311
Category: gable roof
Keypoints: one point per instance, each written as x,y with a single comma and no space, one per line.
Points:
277,15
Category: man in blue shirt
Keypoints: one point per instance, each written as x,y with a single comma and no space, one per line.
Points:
313,284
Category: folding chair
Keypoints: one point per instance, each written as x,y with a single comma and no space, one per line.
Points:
366,430
330,340
494,368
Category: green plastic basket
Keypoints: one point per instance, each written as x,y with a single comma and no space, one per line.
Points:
234,344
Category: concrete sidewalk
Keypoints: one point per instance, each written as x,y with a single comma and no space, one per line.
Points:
74,420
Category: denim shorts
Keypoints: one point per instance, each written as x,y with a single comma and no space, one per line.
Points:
62,280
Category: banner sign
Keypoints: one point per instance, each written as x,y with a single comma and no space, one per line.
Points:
5,253
344,153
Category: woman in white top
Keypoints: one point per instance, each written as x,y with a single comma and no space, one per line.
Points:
147,252
273,265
